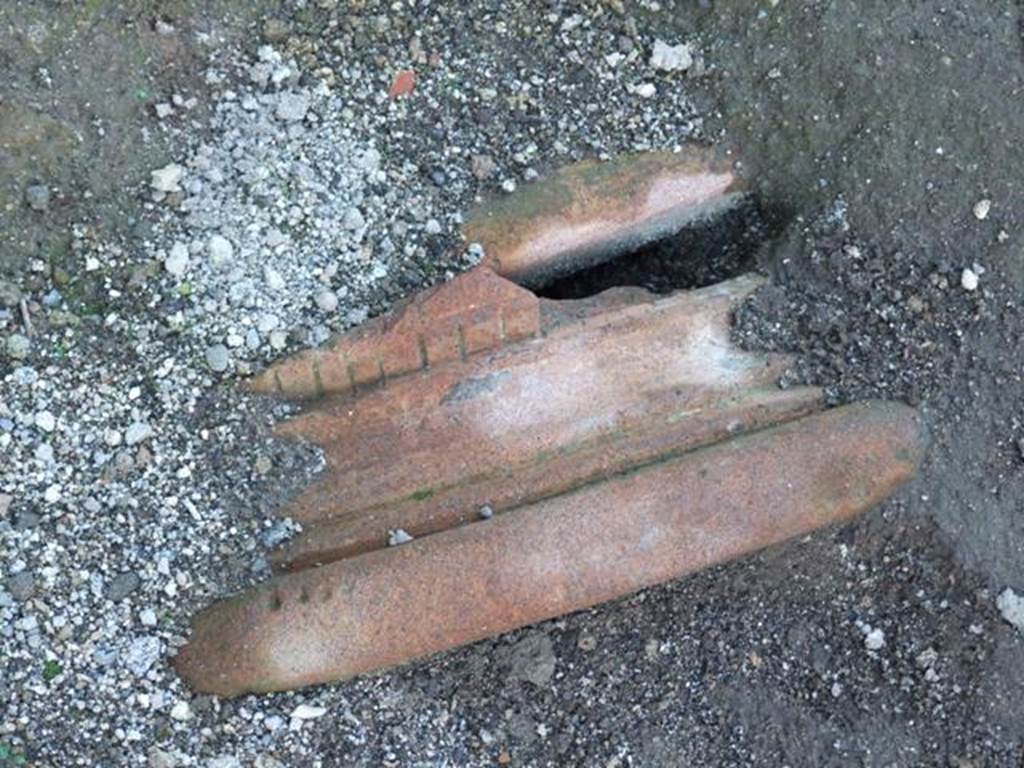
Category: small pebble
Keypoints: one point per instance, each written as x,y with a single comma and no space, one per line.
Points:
483,166
137,433
291,107
982,209
1011,607
122,585
177,260
18,346
21,586
37,197
275,30
158,758
874,640
354,220
969,279
403,84
219,249
167,179
278,339
10,294
217,358
671,58
46,421
273,279
307,712
142,654
926,658
398,536
327,301
25,520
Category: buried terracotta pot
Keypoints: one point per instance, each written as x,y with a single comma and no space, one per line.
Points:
544,456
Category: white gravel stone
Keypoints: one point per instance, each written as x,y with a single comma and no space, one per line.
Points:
142,654
181,711
1011,607
218,358
292,107
307,712
969,279
220,250
327,301
168,178
46,421
671,58
278,339
874,640
267,323
273,279
138,432
398,536
354,220
177,260
982,209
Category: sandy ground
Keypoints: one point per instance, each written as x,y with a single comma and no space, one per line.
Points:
870,132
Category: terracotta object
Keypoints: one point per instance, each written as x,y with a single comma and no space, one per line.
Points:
545,456
591,211
403,84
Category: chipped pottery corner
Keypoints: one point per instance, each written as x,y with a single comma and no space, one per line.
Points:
545,456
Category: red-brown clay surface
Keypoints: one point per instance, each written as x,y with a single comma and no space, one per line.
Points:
590,211
558,555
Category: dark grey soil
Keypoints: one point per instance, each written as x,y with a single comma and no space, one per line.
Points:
869,130
80,81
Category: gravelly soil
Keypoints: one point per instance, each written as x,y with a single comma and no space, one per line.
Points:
869,132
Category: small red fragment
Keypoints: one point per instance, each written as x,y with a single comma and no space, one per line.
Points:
403,84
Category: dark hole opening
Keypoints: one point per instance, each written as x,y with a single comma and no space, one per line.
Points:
706,253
